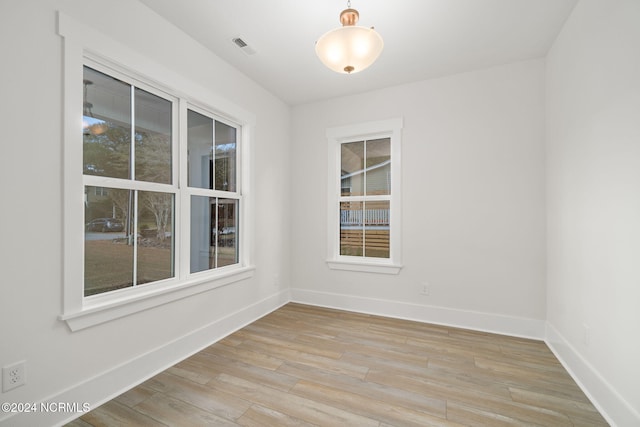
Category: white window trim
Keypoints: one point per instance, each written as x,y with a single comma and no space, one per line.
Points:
82,42
391,128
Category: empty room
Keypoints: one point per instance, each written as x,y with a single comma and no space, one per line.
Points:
327,213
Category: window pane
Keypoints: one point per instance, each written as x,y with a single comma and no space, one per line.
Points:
203,225
378,167
108,252
227,248
351,228
352,169
155,258
225,166
153,138
200,150
106,116
214,233
203,171
376,229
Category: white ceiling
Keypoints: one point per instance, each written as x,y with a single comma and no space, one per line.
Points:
423,38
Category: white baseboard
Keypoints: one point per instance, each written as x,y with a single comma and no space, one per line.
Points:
479,321
109,384
613,407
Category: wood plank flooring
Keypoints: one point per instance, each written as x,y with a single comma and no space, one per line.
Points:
310,366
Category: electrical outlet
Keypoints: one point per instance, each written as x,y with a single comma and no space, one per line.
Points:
13,376
425,288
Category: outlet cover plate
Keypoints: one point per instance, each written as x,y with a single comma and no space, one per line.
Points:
13,376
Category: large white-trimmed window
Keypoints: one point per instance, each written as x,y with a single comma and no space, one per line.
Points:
129,175
364,197
155,183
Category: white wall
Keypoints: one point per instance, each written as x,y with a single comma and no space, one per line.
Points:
473,201
593,189
31,213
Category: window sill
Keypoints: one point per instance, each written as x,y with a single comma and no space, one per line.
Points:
364,266
96,313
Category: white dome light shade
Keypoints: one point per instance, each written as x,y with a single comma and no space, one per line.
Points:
349,49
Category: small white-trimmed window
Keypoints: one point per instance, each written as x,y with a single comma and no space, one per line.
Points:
156,188
364,226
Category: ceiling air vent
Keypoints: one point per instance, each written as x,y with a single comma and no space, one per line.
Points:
243,46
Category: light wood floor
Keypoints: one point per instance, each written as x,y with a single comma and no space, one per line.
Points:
303,366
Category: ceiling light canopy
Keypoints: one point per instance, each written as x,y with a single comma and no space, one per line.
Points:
350,48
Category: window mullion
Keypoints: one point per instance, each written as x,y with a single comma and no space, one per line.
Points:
217,238
127,184
364,221
132,166
213,193
213,155
183,243
376,197
364,202
134,239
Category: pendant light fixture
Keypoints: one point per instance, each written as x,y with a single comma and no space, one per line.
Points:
350,48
